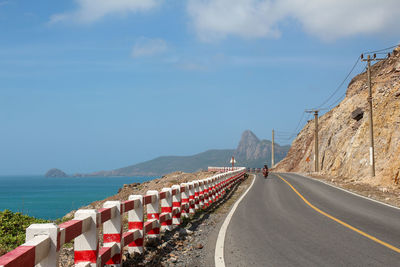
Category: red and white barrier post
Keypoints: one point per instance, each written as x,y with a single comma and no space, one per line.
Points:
185,199
166,208
206,192
201,194
135,223
46,253
224,184
112,232
218,187
153,210
196,195
212,187
191,198
45,240
86,245
176,205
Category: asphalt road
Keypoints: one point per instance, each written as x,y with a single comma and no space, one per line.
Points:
273,226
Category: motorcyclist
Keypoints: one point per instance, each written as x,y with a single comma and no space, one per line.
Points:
265,171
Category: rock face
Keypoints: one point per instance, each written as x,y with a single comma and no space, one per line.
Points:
253,152
344,130
55,173
249,146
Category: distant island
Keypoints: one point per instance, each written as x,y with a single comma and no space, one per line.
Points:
55,173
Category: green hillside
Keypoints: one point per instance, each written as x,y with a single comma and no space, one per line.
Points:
251,152
167,164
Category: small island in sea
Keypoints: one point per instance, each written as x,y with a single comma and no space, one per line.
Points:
55,173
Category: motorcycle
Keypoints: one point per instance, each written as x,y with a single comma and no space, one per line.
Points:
265,172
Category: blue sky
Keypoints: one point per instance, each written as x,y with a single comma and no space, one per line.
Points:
87,85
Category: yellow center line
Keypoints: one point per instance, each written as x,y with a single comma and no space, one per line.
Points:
341,222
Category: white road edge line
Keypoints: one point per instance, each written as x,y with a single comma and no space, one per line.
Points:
219,247
345,190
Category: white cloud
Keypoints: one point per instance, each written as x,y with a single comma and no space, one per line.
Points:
333,19
326,19
215,19
89,11
148,47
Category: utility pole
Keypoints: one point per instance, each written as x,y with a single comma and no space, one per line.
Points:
316,152
273,150
371,125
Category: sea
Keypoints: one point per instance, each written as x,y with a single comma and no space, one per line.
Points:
52,198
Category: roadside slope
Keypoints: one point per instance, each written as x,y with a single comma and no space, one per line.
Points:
344,131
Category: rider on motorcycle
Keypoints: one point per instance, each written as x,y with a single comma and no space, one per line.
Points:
265,171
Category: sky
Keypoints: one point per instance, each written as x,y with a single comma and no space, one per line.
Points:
89,85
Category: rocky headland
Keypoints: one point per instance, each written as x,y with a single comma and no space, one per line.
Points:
55,173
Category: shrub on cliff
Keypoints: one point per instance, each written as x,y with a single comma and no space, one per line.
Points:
12,229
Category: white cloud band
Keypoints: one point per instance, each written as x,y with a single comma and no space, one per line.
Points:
326,19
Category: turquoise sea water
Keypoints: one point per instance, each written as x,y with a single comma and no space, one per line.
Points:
52,198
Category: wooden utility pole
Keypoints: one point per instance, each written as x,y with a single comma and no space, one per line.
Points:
316,151
371,123
316,142
273,150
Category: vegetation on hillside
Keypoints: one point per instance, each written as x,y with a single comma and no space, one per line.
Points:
168,164
12,229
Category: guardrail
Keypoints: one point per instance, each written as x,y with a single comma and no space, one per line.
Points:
164,211
223,169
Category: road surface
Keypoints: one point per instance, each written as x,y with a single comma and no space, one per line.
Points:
274,226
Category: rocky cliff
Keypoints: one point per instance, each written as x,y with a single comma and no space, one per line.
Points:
253,152
344,130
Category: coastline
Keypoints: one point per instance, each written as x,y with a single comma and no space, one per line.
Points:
52,197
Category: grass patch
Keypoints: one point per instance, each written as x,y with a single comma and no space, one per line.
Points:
12,229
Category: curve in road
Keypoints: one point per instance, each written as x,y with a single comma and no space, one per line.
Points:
274,226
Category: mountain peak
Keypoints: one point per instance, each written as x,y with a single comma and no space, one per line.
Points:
249,137
247,145
254,152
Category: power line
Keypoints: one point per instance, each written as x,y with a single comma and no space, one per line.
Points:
340,98
348,75
295,132
340,85
299,124
337,101
380,50
284,135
